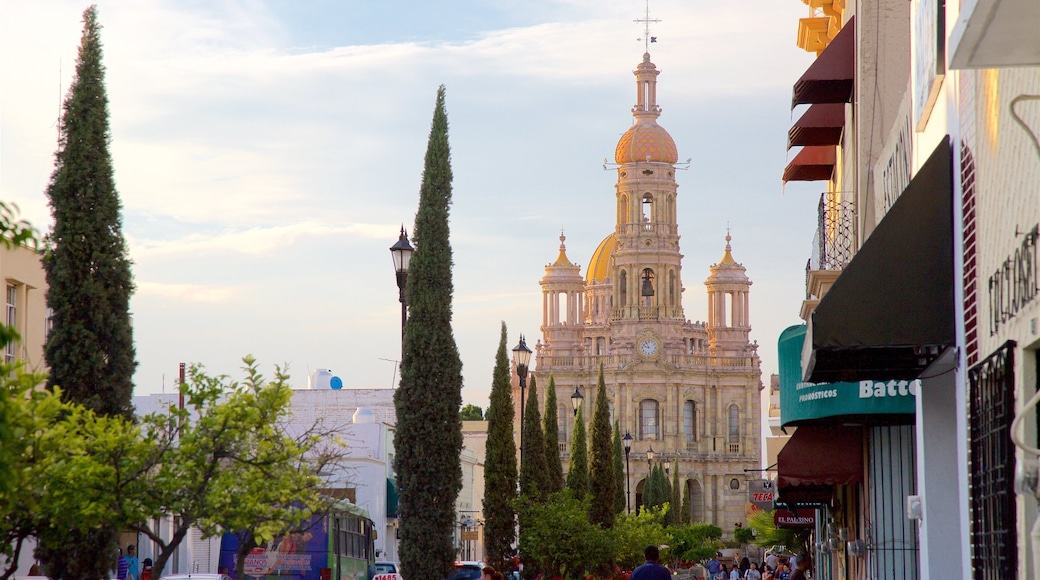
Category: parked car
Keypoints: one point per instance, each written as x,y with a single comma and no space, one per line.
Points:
388,568
467,571
196,577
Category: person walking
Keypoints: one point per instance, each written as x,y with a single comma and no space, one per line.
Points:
122,566
133,565
651,569
771,561
734,572
146,569
801,564
752,572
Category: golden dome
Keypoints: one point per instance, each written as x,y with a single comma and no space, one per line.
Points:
599,265
646,141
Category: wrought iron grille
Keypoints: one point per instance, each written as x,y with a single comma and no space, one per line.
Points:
833,244
893,546
991,463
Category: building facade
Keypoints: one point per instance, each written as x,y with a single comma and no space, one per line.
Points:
690,391
25,305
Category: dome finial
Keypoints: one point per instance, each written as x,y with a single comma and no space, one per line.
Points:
563,238
646,21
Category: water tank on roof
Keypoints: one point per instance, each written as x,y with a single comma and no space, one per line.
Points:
364,415
336,383
319,379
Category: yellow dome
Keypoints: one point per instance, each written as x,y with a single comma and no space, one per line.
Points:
646,142
599,265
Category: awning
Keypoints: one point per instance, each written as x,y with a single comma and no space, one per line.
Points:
820,125
392,498
890,313
829,79
812,164
821,455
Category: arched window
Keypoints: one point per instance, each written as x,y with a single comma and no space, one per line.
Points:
649,419
601,345
690,420
734,424
623,288
646,288
671,289
562,412
648,209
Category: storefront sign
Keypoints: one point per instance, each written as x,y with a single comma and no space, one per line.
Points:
762,493
805,518
802,401
929,57
1015,283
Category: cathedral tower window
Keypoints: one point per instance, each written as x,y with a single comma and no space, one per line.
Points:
734,424
623,288
690,420
647,288
622,209
649,418
671,288
601,345
648,210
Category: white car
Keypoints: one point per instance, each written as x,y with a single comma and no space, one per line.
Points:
388,571
196,577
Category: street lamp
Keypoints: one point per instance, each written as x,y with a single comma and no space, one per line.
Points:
650,457
402,254
521,357
667,465
627,440
576,400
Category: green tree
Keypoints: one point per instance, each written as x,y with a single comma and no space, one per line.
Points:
429,431
560,541
602,477
695,542
554,467
619,471
534,479
686,516
471,413
767,534
655,491
676,499
635,531
500,465
578,470
89,350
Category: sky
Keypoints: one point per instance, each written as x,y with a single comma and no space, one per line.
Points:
267,153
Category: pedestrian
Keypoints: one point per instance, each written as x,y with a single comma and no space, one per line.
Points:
651,569
133,565
771,562
734,572
801,564
745,565
753,573
784,572
714,568
122,566
146,569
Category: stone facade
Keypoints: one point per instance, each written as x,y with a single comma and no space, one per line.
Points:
690,390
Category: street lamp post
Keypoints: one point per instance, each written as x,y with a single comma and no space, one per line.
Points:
627,439
650,458
667,465
402,254
576,400
521,358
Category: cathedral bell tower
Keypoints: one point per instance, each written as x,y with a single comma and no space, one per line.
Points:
729,312
647,266
563,291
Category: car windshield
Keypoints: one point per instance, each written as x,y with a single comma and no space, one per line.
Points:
385,568
465,573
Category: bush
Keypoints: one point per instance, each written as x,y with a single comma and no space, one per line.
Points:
558,539
634,532
695,542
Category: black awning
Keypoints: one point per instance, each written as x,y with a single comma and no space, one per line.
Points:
829,79
820,125
890,313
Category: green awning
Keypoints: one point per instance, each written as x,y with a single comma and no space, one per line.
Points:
392,498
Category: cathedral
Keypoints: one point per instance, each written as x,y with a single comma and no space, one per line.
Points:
688,391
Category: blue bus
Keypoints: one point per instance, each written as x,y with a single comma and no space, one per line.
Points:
336,546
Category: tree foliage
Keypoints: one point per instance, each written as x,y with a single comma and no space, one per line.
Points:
767,534
429,431
686,516
534,479
89,349
635,531
500,465
602,477
553,465
619,471
695,542
471,413
578,469
560,541
676,497
655,491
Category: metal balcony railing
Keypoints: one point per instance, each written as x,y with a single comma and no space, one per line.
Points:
834,242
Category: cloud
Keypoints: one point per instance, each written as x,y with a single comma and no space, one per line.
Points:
196,293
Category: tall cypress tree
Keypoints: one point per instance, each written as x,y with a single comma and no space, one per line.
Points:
656,491
602,476
578,470
90,348
619,471
500,465
429,430
676,500
534,481
554,467
686,516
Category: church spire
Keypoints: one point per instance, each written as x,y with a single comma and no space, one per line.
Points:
646,91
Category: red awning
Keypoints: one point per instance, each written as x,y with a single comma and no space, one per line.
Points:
829,79
821,455
820,125
814,163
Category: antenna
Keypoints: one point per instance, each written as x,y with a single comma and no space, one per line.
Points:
646,22
393,381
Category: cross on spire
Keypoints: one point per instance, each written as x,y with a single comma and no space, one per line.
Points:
646,22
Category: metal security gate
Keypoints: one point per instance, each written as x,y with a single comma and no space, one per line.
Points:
892,542
991,465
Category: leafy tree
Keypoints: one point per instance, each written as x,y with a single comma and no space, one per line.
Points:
695,542
602,477
635,531
500,465
619,471
429,431
676,499
471,413
90,348
655,491
743,535
554,467
767,534
534,479
560,540
578,470
686,516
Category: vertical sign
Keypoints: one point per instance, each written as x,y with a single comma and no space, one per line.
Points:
929,57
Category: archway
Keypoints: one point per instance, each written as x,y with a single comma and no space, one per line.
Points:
696,501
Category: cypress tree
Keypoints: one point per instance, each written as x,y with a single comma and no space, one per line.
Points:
686,516
619,471
578,470
602,475
500,465
554,467
655,491
429,430
676,500
90,348
534,481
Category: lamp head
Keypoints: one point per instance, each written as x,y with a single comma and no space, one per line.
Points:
402,252
521,358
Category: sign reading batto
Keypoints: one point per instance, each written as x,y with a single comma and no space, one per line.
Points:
762,493
806,518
